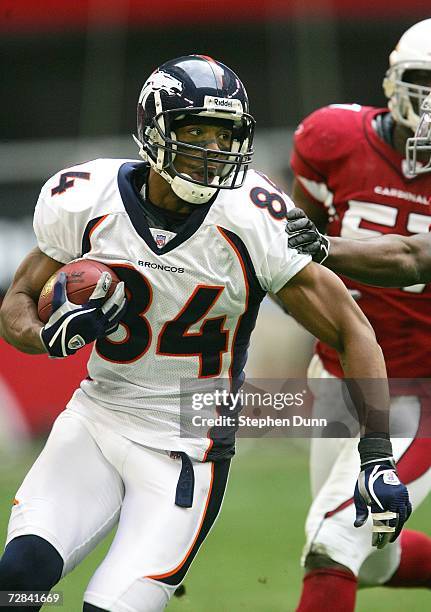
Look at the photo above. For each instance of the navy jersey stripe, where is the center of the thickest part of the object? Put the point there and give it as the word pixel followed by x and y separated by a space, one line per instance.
pixel 256 291
pixel 222 439
pixel 248 318
pixel 86 242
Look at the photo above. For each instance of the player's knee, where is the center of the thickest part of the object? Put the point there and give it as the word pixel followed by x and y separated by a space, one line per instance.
pixel 143 595
pixel 315 561
pixel 149 595
pixel 30 563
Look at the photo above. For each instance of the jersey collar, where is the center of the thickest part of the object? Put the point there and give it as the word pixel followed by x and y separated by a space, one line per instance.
pixel 132 203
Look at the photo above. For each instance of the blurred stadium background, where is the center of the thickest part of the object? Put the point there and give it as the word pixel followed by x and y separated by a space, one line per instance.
pixel 71 74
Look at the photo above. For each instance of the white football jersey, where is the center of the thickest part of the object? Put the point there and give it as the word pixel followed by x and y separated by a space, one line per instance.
pixel 193 296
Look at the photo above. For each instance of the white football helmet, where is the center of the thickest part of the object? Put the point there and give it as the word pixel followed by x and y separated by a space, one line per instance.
pixel 413 52
pixel 420 143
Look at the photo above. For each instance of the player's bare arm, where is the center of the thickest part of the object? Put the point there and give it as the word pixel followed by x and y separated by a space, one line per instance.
pixel 19 323
pixel 318 300
pixel 386 261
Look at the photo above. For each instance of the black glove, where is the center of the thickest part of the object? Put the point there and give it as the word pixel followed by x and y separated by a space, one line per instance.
pixel 70 327
pixel 305 237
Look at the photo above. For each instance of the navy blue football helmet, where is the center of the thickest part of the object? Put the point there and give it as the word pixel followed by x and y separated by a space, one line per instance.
pixel 201 89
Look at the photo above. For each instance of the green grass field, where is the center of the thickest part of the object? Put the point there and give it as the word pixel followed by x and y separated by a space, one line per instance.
pixel 250 561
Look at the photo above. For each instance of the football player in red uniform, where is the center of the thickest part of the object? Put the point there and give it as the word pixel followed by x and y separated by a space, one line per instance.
pixel 352 180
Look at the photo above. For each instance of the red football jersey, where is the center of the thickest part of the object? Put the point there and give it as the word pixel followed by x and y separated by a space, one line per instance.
pixel 349 171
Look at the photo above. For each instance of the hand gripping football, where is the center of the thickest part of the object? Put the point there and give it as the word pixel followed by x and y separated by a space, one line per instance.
pixel 82 276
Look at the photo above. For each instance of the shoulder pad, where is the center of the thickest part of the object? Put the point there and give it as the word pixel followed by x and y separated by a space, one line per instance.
pixel 329 132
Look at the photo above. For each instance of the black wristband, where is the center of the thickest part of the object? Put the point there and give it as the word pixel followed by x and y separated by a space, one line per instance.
pixel 377 434
pixel 372 449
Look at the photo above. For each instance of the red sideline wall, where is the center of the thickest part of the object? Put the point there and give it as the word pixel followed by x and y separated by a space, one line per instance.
pixel 37 15
pixel 40 386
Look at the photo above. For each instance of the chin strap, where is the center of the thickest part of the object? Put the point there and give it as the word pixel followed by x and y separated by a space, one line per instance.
pixel 190 192
pixel 184 189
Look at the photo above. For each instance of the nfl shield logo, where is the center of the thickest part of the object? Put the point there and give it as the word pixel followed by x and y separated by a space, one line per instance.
pixel 160 240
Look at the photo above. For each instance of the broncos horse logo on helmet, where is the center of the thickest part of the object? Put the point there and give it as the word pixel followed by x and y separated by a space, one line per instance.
pixel 157 81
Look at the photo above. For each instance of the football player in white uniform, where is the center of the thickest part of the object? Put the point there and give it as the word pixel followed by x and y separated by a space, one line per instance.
pixel 197 242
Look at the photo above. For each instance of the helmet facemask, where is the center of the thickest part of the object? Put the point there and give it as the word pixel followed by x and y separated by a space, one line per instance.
pixel 220 169
pixel 418 147
pixel 406 94
pixel 226 165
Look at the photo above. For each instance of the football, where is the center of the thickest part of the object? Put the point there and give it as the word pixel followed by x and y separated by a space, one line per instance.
pixel 82 276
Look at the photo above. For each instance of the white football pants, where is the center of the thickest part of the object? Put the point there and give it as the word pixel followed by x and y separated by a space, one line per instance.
pixel 89 479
